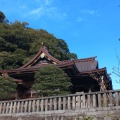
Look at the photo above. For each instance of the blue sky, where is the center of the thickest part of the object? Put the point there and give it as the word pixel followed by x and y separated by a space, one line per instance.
pixel 90 27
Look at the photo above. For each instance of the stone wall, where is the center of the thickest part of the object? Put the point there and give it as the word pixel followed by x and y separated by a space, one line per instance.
pixel 112 113
pixel 56 117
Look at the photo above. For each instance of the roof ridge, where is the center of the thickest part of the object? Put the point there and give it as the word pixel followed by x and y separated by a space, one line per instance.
pixel 83 59
pixel 43 49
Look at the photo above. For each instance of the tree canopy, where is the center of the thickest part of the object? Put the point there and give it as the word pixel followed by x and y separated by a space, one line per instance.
pixel 7 87
pixel 2 16
pixel 51 80
pixel 19 43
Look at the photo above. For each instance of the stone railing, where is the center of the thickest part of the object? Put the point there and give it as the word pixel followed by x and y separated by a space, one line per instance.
pixel 56 103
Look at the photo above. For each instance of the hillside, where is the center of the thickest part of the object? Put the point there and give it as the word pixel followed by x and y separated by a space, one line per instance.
pixel 19 43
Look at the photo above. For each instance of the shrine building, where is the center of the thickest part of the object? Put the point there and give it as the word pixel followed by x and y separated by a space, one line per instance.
pixel 85 74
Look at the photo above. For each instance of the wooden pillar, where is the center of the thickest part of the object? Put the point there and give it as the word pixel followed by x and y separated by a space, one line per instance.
pixel 59 103
pixel 90 89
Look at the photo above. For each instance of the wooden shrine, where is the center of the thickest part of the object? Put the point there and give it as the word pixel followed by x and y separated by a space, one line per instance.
pixel 85 74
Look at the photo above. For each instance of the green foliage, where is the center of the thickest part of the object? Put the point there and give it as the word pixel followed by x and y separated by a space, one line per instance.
pixel 2 16
pixel 7 87
pixel 9 60
pixel 19 43
pixel 51 80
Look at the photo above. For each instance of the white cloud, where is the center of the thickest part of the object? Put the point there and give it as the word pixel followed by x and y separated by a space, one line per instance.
pixel 37 11
pixel 79 19
pixel 47 9
pixel 47 2
pixel 87 12
pixel 43 9
pixel 90 12
pixel 22 6
pixel 65 14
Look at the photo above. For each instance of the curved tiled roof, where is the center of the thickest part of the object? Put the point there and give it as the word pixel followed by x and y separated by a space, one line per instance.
pixel 83 59
pixel 82 65
pixel 86 65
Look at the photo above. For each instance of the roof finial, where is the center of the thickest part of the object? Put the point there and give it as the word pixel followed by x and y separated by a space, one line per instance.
pixel 42 43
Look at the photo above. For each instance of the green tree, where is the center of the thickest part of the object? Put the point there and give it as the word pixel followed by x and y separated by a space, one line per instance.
pixel 20 42
pixel 7 87
pixel 51 80
pixel 2 16
pixel 57 47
